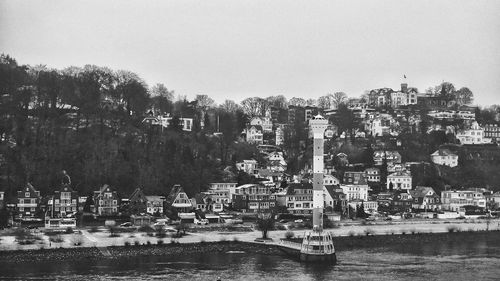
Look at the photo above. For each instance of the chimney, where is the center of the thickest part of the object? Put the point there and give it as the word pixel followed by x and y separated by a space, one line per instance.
pixel 404 87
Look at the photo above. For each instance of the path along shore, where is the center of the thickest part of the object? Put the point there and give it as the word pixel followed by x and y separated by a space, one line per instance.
pixel 271 248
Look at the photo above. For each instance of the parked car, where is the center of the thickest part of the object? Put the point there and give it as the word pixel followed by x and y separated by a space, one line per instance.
pixel 126 224
pixel 299 221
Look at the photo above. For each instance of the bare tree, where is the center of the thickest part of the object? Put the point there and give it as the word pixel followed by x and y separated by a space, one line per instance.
pixel 229 106
pixel 338 98
pixel 251 106
pixel 297 101
pixel 204 101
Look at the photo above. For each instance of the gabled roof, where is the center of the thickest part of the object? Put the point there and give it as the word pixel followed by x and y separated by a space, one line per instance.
pixel 421 191
pixel 174 192
pixel 400 174
pixel 331 190
pixel 443 152
pixel 138 193
pixel 32 190
pixel 102 190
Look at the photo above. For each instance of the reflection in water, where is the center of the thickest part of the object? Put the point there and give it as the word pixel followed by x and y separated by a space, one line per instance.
pixel 467 260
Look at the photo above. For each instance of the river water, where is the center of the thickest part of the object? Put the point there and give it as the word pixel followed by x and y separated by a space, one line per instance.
pixel 470 260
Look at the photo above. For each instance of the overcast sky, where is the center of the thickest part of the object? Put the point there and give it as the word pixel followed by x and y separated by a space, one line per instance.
pixel 237 49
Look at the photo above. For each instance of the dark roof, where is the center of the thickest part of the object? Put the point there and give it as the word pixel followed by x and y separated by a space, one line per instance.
pixel 176 189
pixel 298 185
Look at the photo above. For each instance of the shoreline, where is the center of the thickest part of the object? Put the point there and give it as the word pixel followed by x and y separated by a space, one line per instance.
pixel 176 249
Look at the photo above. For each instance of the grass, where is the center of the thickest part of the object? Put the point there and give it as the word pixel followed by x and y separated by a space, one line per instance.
pixel 56 239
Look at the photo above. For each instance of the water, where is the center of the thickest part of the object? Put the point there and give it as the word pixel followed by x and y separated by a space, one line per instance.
pixel 470 260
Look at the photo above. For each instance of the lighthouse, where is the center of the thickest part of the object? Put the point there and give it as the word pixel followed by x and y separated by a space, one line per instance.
pixel 317 245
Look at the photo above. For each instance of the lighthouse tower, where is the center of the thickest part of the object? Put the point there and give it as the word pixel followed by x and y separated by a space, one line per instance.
pixel 318 126
pixel 317 244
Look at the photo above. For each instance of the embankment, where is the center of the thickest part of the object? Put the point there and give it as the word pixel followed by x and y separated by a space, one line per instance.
pixel 176 249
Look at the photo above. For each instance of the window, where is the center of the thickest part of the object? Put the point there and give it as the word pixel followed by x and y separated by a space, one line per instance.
pixel 26 194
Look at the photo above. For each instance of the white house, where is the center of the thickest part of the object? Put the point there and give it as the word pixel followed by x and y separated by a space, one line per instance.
pixel 247 166
pixel 444 157
pixel 473 135
pixel 353 191
pixel 264 122
pixel 454 200
pixel 400 180
pixel 254 134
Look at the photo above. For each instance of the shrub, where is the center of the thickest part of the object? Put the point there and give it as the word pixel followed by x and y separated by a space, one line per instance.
pixel 235 239
pixel 289 234
pixel 413 231
pixel 403 232
pixel 136 243
pixel 126 243
pixel 148 243
pixel 69 230
pixel 452 228
pixel 159 242
pixel 281 227
pixel 202 240
pixel 351 233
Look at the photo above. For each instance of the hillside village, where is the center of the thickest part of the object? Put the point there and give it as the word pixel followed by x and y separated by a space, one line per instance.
pixel 133 152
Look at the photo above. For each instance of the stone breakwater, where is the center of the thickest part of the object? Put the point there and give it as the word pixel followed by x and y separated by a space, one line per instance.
pixel 341 243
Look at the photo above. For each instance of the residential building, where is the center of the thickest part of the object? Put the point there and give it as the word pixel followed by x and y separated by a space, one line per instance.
pixel 299 198
pixel 64 202
pixel 247 166
pixel 334 197
pixel 218 198
pixel 351 177
pixel 254 198
pixel 492 131
pixel 454 200
pixel 165 121
pixel 372 175
pixel 137 203
pixel 369 206
pixel 200 202
pixel 106 201
pixel 330 180
pixel 280 135
pixel 354 192
pixel 425 198
pixel 229 186
pixel 254 134
pixel 444 157
pixel 399 181
pixel 154 204
pixel 178 199
pixel 264 122
pixel 473 135
pixel 28 200
pixel 392 157
pixel 495 200
pixel 402 202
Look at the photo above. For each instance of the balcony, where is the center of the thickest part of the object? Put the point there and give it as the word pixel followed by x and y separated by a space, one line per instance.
pixel 27 205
